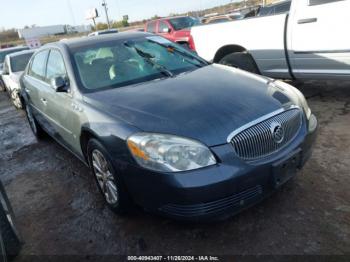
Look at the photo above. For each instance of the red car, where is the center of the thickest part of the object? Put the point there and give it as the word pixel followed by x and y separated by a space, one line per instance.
pixel 176 29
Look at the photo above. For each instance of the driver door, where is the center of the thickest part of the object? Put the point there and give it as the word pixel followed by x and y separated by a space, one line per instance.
pixel 59 110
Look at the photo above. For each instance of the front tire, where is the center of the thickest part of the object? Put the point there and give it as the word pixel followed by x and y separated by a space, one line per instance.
pixel 240 60
pixel 108 181
pixel 9 233
pixel 33 123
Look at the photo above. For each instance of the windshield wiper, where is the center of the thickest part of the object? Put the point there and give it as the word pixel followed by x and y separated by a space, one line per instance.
pixel 148 58
pixel 183 53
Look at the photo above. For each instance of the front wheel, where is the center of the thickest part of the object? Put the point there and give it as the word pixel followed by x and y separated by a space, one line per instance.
pixel 108 181
pixel 240 60
pixel 9 233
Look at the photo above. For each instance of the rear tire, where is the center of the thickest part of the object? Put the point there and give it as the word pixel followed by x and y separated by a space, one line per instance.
pixel 16 99
pixel 33 123
pixel 11 238
pixel 108 181
pixel 240 60
pixel 2 86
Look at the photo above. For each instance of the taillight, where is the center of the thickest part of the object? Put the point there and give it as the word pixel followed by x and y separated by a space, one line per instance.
pixel 191 43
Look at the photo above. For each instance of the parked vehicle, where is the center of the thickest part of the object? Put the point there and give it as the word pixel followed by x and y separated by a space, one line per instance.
pixel 3 53
pixel 104 32
pixel 163 128
pixel 308 43
pixel 14 66
pixel 224 18
pixel 275 9
pixel 10 240
pixel 175 29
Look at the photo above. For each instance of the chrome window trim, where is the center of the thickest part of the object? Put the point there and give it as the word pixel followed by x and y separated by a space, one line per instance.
pixel 259 120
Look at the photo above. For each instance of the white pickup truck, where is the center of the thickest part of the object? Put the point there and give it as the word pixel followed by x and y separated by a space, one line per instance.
pixel 311 42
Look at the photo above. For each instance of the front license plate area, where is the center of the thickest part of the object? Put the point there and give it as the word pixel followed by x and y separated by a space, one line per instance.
pixel 286 169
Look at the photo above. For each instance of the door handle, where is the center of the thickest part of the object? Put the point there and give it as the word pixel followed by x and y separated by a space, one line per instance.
pixel 27 90
pixel 307 20
pixel 44 101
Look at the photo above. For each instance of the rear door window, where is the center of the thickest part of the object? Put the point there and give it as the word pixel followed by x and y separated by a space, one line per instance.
pixel 282 8
pixel 38 65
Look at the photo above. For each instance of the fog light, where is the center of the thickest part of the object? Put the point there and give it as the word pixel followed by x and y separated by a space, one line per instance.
pixel 312 123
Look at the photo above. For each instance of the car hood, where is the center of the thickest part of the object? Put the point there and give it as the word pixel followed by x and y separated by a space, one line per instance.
pixel 206 104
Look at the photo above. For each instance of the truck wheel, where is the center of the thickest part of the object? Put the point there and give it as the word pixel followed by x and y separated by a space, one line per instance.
pixel 240 60
pixel 108 180
pixel 9 233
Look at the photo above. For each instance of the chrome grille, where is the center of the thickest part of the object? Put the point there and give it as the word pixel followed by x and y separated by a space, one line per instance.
pixel 258 141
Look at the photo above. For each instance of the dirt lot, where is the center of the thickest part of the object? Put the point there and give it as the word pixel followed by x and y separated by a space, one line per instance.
pixel 60 211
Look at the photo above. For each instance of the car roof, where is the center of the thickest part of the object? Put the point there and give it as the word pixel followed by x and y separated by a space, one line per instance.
pixel 31 51
pixel 83 41
pixel 13 48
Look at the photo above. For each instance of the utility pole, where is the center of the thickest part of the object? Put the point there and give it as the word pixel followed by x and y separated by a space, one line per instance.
pixel 104 4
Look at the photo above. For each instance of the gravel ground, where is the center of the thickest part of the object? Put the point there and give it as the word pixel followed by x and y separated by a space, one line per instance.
pixel 59 210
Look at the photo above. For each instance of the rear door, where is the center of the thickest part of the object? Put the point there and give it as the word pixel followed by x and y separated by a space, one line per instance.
pixel 319 40
pixel 34 85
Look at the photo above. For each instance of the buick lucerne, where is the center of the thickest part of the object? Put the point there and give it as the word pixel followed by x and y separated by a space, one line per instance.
pixel 164 129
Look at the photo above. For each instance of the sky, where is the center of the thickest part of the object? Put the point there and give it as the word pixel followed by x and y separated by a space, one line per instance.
pixel 19 13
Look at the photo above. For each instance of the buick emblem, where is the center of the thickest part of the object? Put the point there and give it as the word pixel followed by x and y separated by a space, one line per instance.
pixel 277 132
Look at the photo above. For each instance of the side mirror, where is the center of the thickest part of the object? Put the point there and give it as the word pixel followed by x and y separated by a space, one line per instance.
pixel 60 84
pixel 166 30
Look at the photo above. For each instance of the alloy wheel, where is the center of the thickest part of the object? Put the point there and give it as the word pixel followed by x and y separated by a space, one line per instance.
pixel 16 99
pixel 104 177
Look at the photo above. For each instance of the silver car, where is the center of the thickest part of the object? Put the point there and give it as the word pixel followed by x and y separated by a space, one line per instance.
pixel 14 66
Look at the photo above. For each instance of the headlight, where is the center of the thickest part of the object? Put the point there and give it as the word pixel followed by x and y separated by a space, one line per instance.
pixel 301 101
pixel 167 153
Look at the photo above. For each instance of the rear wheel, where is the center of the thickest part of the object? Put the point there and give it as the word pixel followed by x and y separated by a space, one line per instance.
pixel 108 181
pixel 9 233
pixel 34 125
pixel 2 85
pixel 16 99
pixel 240 60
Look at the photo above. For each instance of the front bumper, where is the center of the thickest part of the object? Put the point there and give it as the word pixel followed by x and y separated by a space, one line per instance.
pixel 215 192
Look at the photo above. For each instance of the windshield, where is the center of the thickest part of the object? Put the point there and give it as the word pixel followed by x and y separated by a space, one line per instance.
pixel 120 63
pixel 183 22
pixel 4 53
pixel 19 63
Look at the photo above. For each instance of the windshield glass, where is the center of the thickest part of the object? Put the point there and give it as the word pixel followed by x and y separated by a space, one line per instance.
pixel 19 63
pixel 183 22
pixel 120 63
